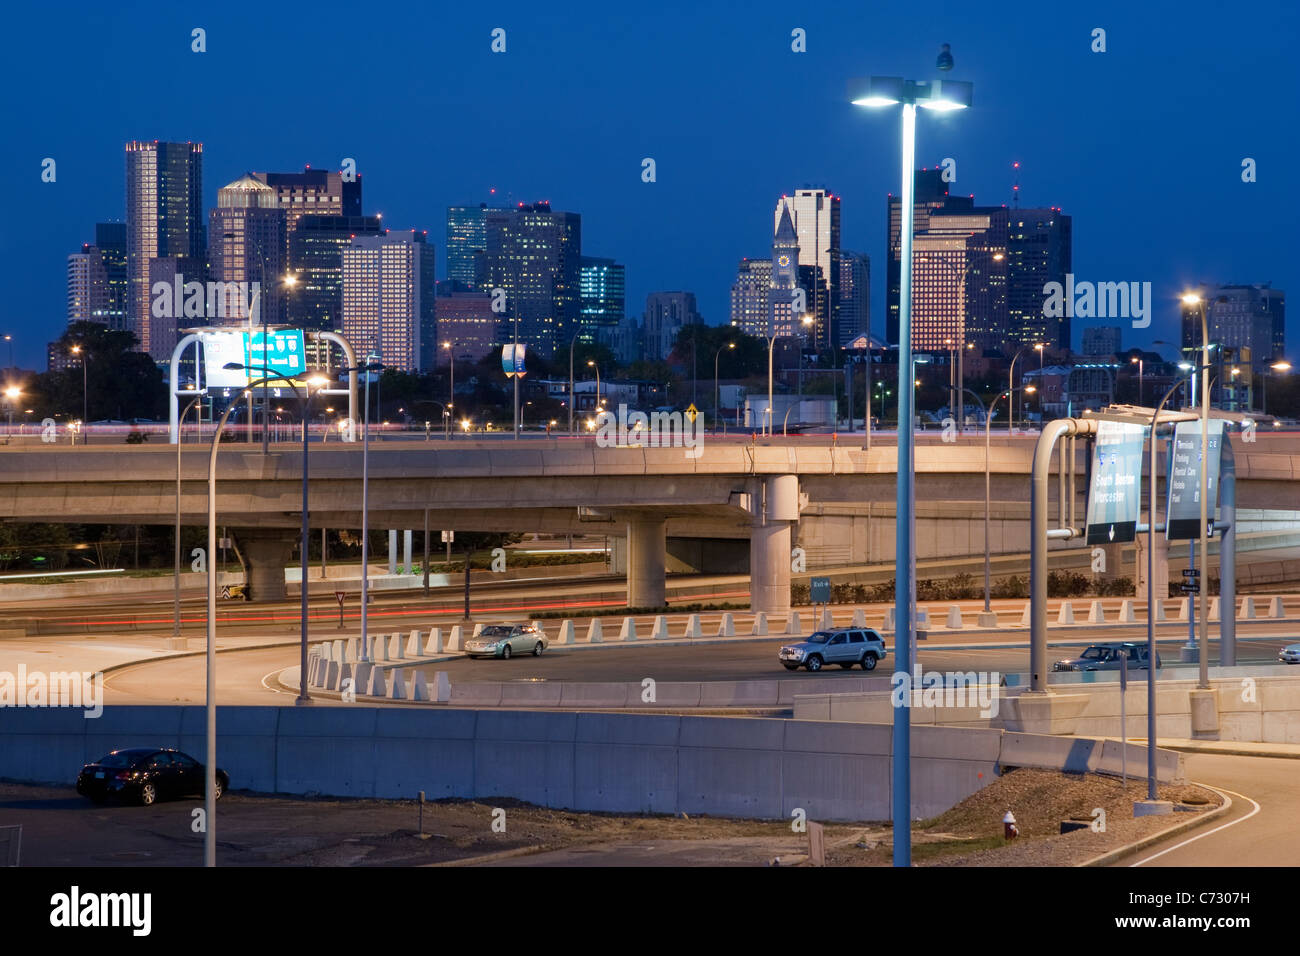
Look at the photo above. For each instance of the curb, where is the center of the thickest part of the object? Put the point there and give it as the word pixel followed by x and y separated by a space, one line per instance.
pixel 1233 752
pixel 1127 850
pixel 493 857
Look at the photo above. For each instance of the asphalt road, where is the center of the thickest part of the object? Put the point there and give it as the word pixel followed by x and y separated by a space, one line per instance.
pixel 247 677
pixel 1259 830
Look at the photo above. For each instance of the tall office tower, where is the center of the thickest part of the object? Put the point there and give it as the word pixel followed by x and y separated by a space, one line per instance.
pixel 1039 250
pixel 1241 316
pixel 959 280
pixel 467 323
pixel 164 217
pixel 930 192
pixel 312 192
pixel 466 240
pixel 816 217
pixel 534 253
pixel 388 299
pixel 246 233
pixel 110 240
pixel 751 296
pixel 85 284
pixel 666 313
pixel 854 312
pixel 785 312
pixel 315 300
pixel 1102 341
pixel 169 277
pixel 602 286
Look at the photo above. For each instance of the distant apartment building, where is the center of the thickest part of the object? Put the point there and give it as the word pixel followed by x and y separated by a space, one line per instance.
pixel 467 326
pixel 167 273
pixel 388 305
pixel 1101 341
pixel 854 312
pixel 751 296
pixel 666 313
pixel 1246 316
pixel 164 217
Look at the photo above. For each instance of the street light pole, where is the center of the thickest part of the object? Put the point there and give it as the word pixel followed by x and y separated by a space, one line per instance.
pixel 176 602
pixel 717 417
pixel 573 341
pixel 771 344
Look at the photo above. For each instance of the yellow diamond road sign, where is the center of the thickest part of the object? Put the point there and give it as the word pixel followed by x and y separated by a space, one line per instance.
pixel 692 412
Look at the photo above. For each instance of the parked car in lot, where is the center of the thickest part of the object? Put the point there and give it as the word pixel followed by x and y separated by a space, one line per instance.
pixel 845 646
pixel 1106 657
pixel 1289 654
pixel 146 775
pixel 507 640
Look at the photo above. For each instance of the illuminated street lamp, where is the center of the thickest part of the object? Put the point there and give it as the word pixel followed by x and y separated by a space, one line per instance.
pixel 1279 366
pixel 85 416
pixel 943 96
pixel 716 392
pixel 1193 299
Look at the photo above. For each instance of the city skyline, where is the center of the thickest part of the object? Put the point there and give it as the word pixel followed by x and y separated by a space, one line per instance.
pixel 1072 141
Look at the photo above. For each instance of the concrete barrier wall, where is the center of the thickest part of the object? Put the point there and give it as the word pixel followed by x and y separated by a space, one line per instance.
pixel 1260 709
pixel 630 763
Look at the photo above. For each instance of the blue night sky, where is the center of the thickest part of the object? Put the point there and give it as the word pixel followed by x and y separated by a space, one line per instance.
pixel 1142 145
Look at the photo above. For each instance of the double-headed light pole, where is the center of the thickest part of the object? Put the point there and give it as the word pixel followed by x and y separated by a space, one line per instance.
pixel 940 95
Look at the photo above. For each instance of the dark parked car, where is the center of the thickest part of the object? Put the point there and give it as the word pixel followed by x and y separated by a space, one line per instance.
pixel 1105 657
pixel 145 775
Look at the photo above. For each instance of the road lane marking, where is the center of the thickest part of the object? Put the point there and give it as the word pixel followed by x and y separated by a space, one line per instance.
pixel 1199 836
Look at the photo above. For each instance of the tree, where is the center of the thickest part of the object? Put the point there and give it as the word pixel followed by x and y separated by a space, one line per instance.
pixel 121 383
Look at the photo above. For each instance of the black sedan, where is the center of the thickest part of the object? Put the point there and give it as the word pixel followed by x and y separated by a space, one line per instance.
pixel 145 775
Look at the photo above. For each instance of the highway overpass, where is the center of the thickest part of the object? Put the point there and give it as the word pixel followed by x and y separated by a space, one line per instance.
pixel 766 496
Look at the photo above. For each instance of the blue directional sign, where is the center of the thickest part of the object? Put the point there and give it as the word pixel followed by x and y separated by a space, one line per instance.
pixel 819 591
pixel 279 351
pixel 1116 483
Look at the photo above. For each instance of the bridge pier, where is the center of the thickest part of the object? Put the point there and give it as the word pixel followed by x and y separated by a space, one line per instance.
pixel 647 550
pixel 265 553
pixel 775 509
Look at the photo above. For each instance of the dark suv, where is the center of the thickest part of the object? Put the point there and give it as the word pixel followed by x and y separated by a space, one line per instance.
pixel 1106 657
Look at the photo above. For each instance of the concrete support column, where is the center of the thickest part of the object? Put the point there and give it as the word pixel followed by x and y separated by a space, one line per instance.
pixel 646 553
pixel 775 506
pixel 392 552
pixel 1161 567
pixel 407 537
pixel 266 553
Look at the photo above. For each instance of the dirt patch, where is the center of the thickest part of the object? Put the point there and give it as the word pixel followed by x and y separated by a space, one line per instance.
pixel 971 833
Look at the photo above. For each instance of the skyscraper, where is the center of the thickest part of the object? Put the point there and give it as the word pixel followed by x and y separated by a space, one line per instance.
pixel 666 313
pixel 315 300
pixel 978 271
pixel 751 296
pixel 533 253
pixel 85 271
pixel 1039 250
pixel 815 214
pixel 97 278
pixel 854 311
pixel 312 192
pixel 247 245
pixel 164 217
pixel 388 299
pixel 466 242
pixel 602 288
pixel 466 323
